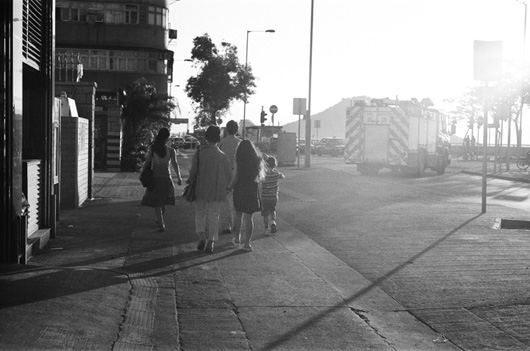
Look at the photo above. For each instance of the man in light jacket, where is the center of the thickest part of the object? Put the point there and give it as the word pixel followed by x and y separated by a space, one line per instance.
pixel 229 146
pixel 213 171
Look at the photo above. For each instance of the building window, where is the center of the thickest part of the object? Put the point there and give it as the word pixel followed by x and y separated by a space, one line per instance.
pixel 152 66
pixel 142 15
pixel 112 13
pixel 62 14
pixel 131 64
pixel 131 14
pixel 141 65
pixel 118 60
pixel 95 15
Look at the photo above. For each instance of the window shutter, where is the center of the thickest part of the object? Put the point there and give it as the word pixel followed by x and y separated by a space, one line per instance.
pixel 32 32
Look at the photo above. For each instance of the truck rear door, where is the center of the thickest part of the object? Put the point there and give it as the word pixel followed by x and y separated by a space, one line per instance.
pixel 376 121
pixel 376 142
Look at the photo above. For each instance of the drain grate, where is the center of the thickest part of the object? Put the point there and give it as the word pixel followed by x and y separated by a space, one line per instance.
pixel 501 223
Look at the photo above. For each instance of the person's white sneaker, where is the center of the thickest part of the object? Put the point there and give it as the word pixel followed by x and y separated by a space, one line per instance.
pixel 266 231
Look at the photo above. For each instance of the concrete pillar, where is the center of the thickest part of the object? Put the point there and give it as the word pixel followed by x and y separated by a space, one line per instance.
pixel 84 95
pixel 74 161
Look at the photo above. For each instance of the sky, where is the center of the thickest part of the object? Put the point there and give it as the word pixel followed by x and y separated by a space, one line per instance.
pixel 378 48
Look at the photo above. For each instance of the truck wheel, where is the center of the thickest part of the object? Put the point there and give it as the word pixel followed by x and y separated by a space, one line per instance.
pixel 422 163
pixel 443 164
pixel 445 161
pixel 373 171
pixel 362 169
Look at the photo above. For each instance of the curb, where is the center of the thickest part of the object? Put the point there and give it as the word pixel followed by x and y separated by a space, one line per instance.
pixel 523 180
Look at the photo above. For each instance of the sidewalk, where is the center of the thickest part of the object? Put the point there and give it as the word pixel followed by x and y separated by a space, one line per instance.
pixel 111 281
pixel 493 171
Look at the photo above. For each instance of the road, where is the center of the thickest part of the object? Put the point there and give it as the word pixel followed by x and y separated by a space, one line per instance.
pixel 424 241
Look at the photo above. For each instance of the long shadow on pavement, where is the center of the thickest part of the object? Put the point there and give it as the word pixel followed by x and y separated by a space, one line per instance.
pixel 288 334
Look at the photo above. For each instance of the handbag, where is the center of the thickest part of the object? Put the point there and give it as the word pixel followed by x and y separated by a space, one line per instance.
pixel 189 191
pixel 147 177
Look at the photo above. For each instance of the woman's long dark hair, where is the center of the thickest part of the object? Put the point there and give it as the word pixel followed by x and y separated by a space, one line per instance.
pixel 159 146
pixel 249 162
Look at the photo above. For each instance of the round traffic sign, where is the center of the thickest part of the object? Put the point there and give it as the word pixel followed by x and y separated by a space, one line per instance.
pixel 273 109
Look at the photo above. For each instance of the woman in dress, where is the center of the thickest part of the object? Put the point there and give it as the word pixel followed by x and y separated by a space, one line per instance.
pixel 249 171
pixel 162 193
pixel 211 168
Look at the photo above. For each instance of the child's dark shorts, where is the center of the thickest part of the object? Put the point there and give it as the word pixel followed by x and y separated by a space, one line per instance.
pixel 268 206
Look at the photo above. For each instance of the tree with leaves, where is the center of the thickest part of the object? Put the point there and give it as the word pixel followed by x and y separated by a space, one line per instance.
pixel 509 93
pixel 144 113
pixel 220 81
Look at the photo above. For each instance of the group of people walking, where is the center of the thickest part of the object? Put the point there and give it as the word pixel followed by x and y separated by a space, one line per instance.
pixel 233 180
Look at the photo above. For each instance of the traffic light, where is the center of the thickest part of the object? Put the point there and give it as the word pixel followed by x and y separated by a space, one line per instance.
pixel 480 122
pixel 263 119
pixel 471 122
pixel 503 111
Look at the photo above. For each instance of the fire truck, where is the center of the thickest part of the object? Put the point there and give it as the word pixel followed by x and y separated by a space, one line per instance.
pixel 403 136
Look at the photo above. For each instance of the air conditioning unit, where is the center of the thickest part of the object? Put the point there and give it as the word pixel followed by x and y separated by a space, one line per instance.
pixel 172 34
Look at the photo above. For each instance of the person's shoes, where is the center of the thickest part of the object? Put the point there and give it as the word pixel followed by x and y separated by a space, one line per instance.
pixel 273 228
pixel 235 243
pixel 246 247
pixel 161 228
pixel 266 231
pixel 201 244
pixel 226 231
pixel 209 247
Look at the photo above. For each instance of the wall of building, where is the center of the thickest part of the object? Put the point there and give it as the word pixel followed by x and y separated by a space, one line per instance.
pixel 100 44
pixel 117 80
pixel 27 118
pixel 112 35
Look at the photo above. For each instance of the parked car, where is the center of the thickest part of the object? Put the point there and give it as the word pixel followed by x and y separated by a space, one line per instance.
pixel 177 143
pixel 190 142
pixel 301 148
pixel 330 146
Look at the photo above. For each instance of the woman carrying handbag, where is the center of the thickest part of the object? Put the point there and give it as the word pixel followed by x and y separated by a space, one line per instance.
pixel 162 191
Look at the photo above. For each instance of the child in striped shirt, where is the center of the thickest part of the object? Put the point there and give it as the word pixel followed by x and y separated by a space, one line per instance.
pixel 269 195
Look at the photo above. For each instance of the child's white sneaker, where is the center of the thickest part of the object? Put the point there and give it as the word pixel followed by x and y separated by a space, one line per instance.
pixel 273 228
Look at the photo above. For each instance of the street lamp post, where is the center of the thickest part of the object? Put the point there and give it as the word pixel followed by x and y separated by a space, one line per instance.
pixel 171 80
pixel 520 136
pixel 307 158
pixel 246 66
pixel 520 140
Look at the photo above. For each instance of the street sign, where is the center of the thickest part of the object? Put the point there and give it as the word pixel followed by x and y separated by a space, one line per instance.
pixel 299 106
pixel 273 109
pixel 487 60
pixel 179 120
